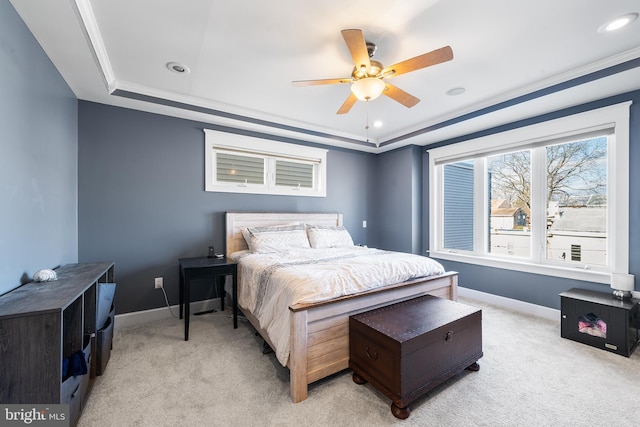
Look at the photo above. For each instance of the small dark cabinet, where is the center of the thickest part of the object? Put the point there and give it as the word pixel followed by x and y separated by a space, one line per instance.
pixel 46 331
pixel 600 320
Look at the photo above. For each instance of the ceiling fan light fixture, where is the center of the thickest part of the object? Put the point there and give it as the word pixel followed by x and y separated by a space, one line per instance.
pixel 368 88
pixel 367 74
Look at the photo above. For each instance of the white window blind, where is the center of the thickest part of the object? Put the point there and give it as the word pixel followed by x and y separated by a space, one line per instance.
pixel 294 174
pixel 239 169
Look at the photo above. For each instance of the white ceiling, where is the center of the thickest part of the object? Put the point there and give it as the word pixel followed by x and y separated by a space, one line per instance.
pixel 243 55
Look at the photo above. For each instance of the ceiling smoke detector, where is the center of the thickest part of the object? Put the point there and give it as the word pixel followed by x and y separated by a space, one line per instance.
pixel 456 91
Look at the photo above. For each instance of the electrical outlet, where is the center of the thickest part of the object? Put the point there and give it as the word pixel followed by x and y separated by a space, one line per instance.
pixel 364 224
pixel 159 283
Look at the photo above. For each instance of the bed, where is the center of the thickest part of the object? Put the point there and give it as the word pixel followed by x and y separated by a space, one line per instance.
pixel 317 337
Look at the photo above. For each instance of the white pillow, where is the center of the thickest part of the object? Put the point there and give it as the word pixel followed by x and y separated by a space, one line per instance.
pixel 247 235
pixel 277 238
pixel 328 237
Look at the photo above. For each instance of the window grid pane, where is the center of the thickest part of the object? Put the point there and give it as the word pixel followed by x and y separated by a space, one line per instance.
pixel 239 169
pixel 577 202
pixel 510 204
pixel 294 174
pixel 458 206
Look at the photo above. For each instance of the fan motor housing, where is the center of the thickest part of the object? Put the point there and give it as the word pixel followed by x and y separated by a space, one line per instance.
pixel 374 71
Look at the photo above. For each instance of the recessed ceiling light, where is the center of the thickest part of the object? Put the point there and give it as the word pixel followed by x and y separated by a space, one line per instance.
pixel 377 123
pixel 617 23
pixel 178 68
pixel 456 91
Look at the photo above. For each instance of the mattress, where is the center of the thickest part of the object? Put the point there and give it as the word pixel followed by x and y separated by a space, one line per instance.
pixel 269 283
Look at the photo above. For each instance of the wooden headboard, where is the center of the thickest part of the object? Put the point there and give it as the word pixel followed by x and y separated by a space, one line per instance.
pixel 236 221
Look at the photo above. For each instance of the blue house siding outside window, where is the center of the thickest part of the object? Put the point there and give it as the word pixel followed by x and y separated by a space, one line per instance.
pixel 458 206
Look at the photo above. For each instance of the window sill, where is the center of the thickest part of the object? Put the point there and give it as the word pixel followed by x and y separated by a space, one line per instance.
pixel 273 191
pixel 596 276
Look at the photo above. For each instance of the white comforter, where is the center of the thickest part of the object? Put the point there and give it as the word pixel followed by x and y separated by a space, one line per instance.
pixel 270 283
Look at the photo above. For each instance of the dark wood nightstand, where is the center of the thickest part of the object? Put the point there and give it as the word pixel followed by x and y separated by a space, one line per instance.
pixel 202 268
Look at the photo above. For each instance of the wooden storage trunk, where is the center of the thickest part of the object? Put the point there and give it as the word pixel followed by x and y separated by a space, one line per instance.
pixel 408 348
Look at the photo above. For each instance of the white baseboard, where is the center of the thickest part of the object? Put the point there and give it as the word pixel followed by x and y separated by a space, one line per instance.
pixel 521 306
pixel 140 317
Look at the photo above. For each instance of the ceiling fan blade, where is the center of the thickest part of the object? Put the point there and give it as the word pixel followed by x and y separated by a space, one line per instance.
pixel 399 95
pixel 358 48
pixel 321 82
pixel 437 56
pixel 347 104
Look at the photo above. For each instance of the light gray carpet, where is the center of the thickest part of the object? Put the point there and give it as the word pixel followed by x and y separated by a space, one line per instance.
pixel 529 376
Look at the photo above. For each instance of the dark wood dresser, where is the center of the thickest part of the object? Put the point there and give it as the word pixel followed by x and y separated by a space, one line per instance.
pixel 45 328
pixel 408 348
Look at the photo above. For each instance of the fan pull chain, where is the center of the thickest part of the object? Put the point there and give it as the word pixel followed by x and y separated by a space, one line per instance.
pixel 367 125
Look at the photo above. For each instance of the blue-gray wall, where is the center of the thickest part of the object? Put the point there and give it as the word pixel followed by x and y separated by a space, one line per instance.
pixel 544 290
pixel 137 197
pixel 38 158
pixel 142 202
pixel 399 183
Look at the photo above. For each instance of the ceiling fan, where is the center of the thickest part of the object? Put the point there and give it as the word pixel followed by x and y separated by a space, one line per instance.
pixel 367 75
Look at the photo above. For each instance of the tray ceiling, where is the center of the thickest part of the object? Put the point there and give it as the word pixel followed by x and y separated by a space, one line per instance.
pixel 513 59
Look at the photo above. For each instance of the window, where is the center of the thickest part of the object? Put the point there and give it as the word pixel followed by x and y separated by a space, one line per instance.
pixel 241 164
pixel 550 198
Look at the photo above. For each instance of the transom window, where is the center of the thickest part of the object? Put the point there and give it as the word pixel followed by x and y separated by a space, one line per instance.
pixel 550 198
pixel 242 164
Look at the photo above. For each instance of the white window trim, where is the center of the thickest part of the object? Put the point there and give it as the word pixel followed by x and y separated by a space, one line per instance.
pixel 616 117
pixel 270 150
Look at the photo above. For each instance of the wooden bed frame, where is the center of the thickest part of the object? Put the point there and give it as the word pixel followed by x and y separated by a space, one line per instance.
pixel 319 344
